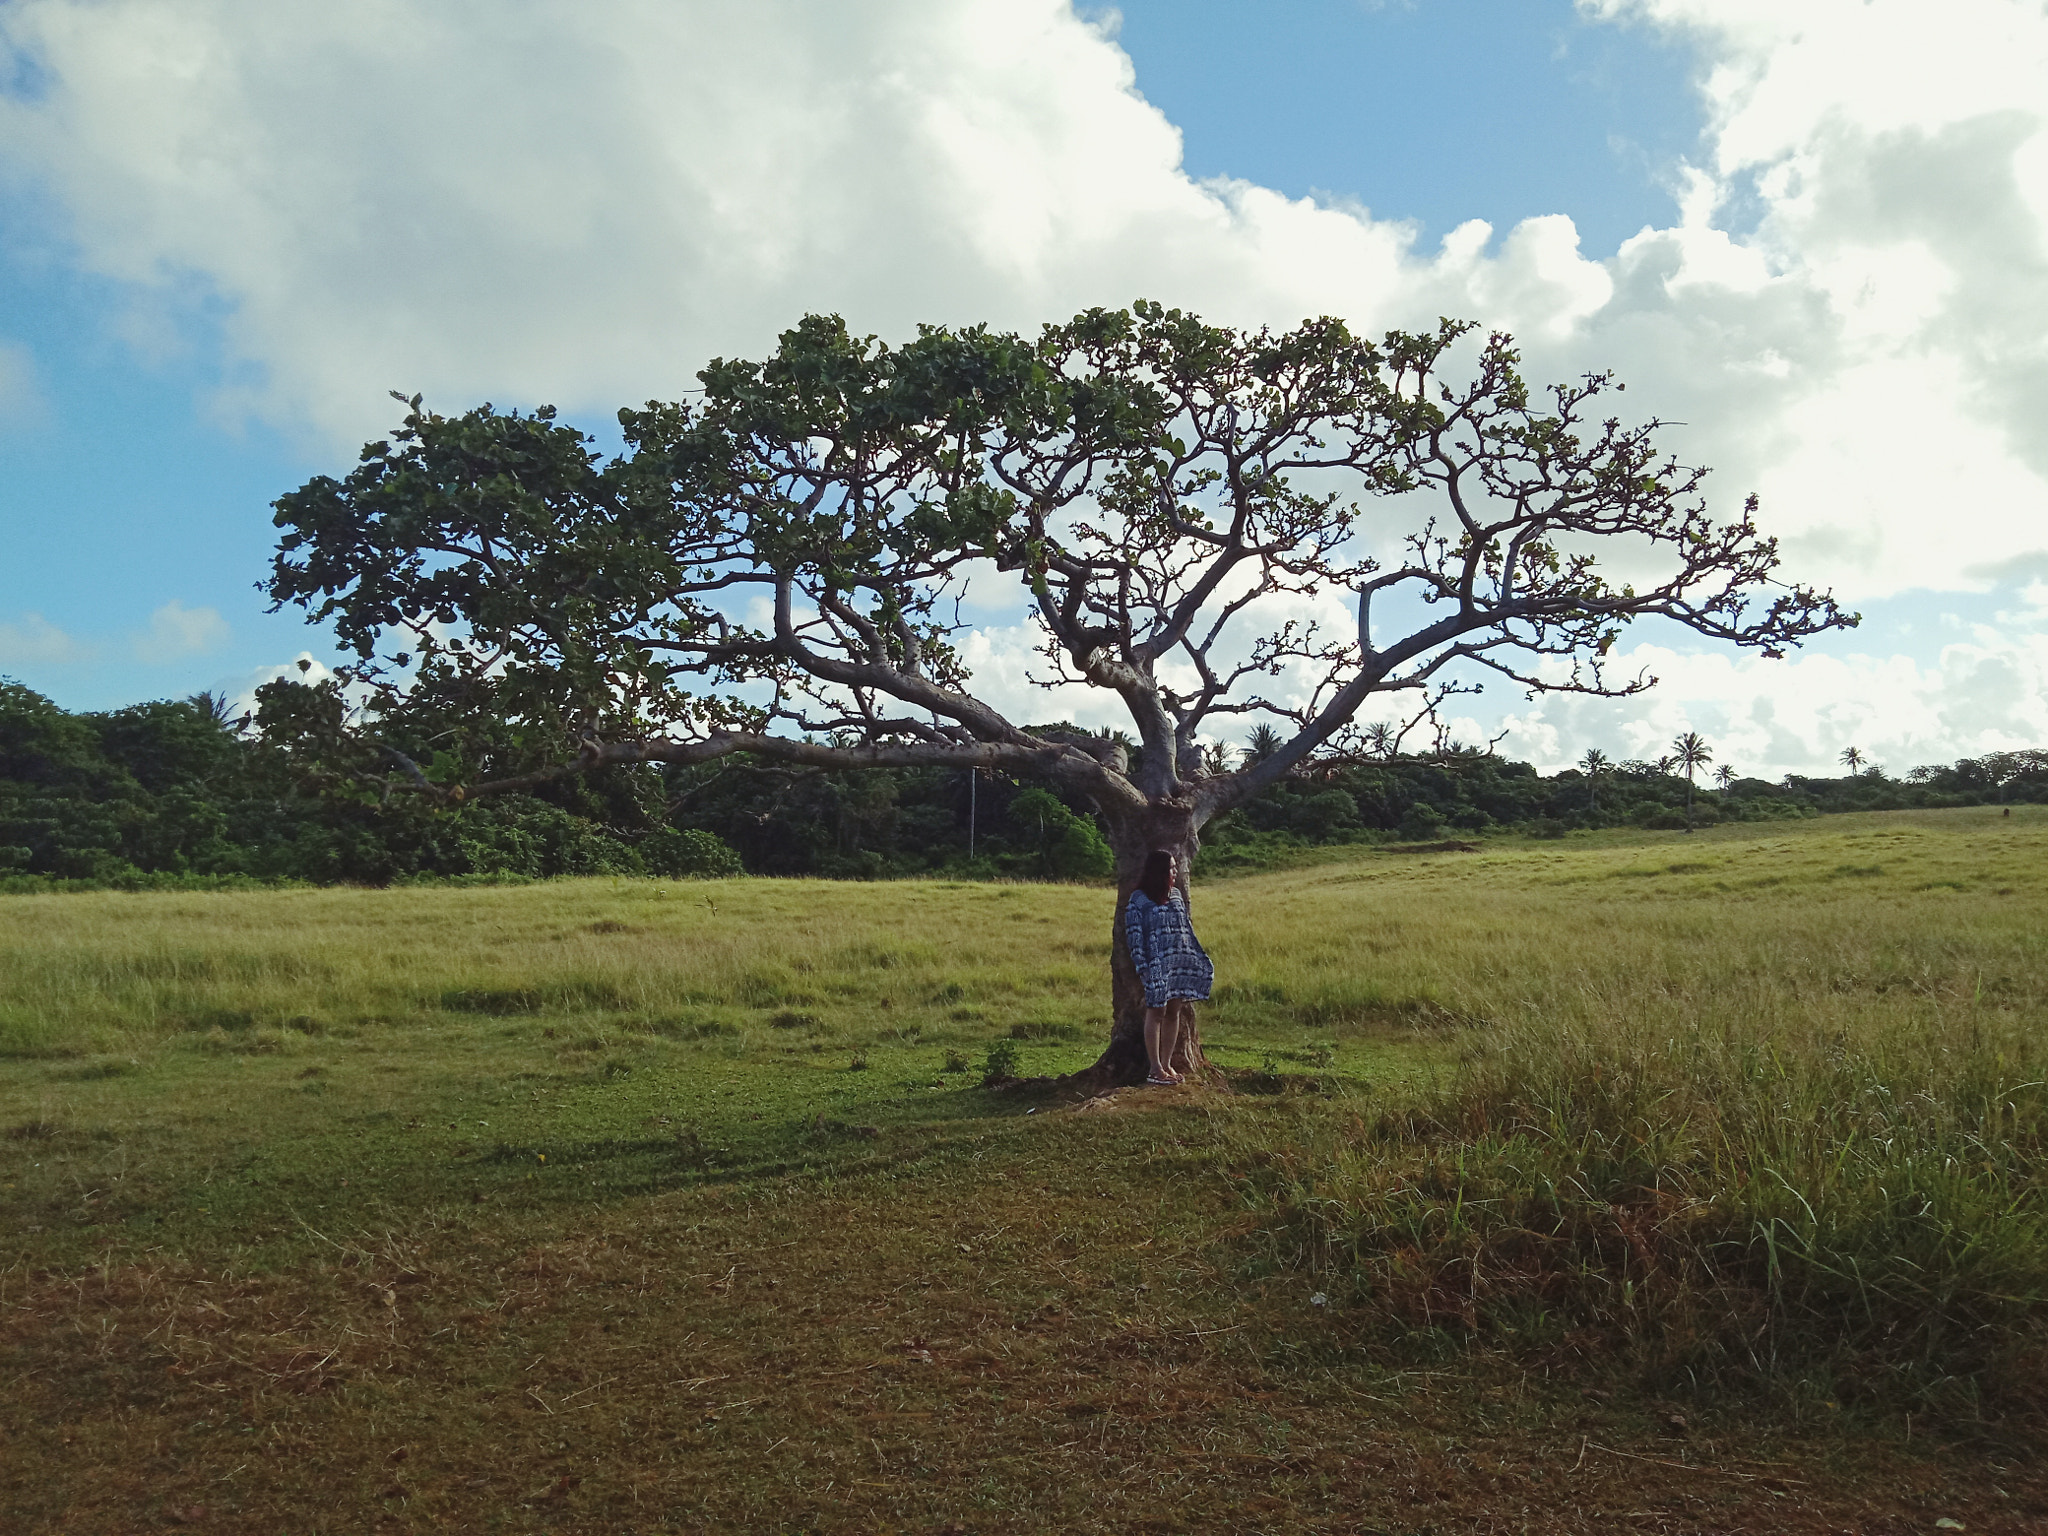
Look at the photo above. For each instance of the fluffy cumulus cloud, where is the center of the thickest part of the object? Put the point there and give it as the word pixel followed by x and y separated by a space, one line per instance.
pixel 526 201
pixel 585 203
pixel 1986 690
pixel 1854 308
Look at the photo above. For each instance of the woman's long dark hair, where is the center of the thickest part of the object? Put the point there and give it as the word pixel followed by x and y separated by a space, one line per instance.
pixel 1157 881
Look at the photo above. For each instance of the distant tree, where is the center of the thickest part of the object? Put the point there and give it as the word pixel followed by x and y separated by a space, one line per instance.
pixel 770 568
pixel 1853 759
pixel 1724 776
pixel 1263 742
pixel 216 707
pixel 1592 765
pixel 1691 753
pixel 1380 739
pixel 2002 769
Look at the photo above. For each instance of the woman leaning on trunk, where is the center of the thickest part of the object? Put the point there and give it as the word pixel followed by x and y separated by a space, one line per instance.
pixel 1171 963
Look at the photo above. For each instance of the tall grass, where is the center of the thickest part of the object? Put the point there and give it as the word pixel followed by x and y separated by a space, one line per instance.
pixel 112 972
pixel 1794 1137
pixel 1713 1205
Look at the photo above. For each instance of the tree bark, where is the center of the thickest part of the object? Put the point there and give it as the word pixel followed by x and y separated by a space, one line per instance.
pixel 1168 824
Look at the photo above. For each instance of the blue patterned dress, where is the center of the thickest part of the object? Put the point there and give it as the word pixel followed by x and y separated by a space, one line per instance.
pixel 1170 959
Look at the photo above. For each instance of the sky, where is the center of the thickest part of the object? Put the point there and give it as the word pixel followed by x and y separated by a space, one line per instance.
pixel 1812 233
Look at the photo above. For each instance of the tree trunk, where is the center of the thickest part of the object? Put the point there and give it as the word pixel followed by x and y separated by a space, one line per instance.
pixel 1167 824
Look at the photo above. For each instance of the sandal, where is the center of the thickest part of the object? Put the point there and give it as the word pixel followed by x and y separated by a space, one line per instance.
pixel 1164 1082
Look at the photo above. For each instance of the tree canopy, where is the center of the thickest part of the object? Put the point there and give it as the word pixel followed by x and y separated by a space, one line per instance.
pixel 771 568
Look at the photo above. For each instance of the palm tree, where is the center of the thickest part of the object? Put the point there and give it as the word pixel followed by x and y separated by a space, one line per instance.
pixel 217 707
pixel 1380 739
pixel 1592 765
pixel 1724 776
pixel 1690 752
pixel 1263 742
pixel 1852 759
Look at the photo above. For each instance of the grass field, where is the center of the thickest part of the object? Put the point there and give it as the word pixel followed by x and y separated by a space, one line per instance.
pixel 1695 1181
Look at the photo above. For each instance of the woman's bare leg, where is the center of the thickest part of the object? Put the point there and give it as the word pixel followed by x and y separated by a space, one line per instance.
pixel 1160 1041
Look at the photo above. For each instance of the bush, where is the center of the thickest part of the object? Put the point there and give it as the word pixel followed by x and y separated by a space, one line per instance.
pixel 1322 816
pixel 1422 824
pixel 1069 846
pixel 689 854
pixel 1001 1063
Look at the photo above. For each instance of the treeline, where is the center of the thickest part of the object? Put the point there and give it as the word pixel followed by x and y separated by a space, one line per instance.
pixel 173 793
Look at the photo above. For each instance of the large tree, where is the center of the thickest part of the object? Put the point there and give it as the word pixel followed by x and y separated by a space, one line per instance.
pixel 774 568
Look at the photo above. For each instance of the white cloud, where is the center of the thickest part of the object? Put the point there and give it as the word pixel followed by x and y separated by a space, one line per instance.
pixel 585 204
pixel 176 632
pixel 1985 693
pixel 33 640
pixel 1895 159
pixel 526 201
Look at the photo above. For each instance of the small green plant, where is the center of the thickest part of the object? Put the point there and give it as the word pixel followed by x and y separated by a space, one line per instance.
pixel 859 1062
pixel 956 1061
pixel 1001 1062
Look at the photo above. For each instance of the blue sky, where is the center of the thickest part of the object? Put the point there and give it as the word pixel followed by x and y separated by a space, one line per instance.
pixel 210 274
pixel 1492 109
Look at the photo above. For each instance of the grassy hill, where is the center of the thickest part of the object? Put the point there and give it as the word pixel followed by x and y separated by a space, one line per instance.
pixel 1698 1177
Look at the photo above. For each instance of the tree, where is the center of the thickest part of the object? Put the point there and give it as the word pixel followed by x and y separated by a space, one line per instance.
pixel 1263 742
pixel 770 570
pixel 1724 776
pixel 1380 739
pixel 1690 752
pixel 1592 765
pixel 1853 759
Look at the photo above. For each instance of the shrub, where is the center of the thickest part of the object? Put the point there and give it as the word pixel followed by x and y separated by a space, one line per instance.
pixel 691 853
pixel 1423 823
pixel 1069 846
pixel 1000 1064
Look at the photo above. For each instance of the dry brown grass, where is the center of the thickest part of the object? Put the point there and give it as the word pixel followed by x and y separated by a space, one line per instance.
pixel 1034 1348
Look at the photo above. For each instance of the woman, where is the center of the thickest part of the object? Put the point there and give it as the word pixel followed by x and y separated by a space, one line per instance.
pixel 1171 963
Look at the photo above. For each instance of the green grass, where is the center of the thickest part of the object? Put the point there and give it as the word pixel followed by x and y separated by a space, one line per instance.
pixel 1746 1120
